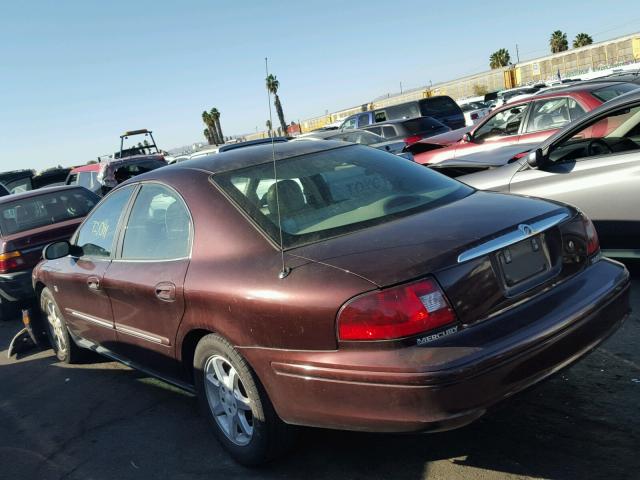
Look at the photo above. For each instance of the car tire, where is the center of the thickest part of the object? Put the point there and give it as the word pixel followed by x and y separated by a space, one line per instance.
pixel 61 342
pixel 236 404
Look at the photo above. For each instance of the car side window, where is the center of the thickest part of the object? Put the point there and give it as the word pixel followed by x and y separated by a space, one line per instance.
pixel 549 114
pixel 388 132
pixel 504 123
pixel 363 120
pixel 381 116
pixel 618 132
pixel 349 123
pixel 159 226
pixel 96 235
pixel 376 130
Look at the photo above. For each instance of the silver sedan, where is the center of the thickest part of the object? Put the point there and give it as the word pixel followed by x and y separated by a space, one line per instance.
pixel 593 163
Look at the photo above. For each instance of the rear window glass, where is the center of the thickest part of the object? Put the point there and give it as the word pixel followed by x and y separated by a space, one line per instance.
pixel 609 92
pixel 334 192
pixel 33 212
pixel 423 124
pixel 439 106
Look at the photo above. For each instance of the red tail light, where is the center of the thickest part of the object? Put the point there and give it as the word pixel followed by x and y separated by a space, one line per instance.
pixel 593 243
pixel 474 116
pixel 412 139
pixel 395 312
pixel 10 262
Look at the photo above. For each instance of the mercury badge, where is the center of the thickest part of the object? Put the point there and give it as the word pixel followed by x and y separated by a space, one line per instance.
pixel 525 229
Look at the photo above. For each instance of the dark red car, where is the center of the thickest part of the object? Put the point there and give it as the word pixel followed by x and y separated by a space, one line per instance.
pixel 28 222
pixel 528 121
pixel 358 291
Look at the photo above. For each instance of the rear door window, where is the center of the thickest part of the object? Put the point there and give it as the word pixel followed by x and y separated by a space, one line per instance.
pixel 363 120
pixel 549 114
pixel 159 226
pixel 389 132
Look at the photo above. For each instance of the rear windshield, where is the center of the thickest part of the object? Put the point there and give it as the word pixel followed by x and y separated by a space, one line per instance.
pixel 336 191
pixel 439 106
pixel 33 212
pixel 423 124
pixel 609 92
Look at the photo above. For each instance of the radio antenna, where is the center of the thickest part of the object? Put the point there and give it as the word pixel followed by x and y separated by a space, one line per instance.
pixel 285 270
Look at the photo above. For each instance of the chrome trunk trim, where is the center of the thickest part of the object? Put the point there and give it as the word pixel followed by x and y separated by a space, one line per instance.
pixel 522 232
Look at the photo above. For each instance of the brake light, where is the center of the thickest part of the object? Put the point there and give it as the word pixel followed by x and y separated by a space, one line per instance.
pixel 11 261
pixel 412 139
pixel 593 243
pixel 395 312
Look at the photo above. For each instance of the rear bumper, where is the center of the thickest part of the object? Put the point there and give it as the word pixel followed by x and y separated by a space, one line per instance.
pixel 16 287
pixel 447 384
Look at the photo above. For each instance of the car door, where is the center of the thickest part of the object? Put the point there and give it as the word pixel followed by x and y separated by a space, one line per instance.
pixel 596 169
pixel 146 279
pixel 502 128
pixel 78 281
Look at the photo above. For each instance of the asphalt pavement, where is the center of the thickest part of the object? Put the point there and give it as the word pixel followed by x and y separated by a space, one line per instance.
pixel 102 420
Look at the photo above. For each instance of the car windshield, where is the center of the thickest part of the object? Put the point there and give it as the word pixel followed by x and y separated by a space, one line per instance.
pixel 34 212
pixel 612 91
pixel 336 191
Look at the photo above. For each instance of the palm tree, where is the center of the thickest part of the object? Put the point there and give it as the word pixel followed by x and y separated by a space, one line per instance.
pixel 208 121
pixel 215 115
pixel 558 42
pixel 207 135
pixel 581 40
pixel 499 58
pixel 272 85
pixel 268 124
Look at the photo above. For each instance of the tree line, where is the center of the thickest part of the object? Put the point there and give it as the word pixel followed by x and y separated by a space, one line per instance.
pixel 557 43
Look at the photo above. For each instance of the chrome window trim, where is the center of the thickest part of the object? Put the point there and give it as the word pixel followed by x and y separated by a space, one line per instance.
pixel 512 237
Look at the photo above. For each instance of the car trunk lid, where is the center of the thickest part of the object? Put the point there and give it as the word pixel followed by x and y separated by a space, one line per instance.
pixel 433 242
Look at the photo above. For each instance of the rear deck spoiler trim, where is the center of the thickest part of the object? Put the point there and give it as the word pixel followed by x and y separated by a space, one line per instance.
pixel 522 232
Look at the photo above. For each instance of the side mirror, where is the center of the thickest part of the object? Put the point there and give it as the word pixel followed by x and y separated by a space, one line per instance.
pixel 535 158
pixel 59 249
pixel 387 148
pixel 467 137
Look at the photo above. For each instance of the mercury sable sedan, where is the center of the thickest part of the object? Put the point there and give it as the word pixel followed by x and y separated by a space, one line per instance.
pixel 330 285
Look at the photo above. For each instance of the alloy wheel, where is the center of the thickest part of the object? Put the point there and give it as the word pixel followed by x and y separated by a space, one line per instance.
pixel 57 327
pixel 228 400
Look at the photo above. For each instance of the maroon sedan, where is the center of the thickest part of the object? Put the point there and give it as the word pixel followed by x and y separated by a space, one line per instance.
pixel 528 121
pixel 357 291
pixel 28 222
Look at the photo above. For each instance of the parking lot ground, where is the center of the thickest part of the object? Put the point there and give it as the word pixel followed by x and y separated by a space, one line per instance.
pixel 105 421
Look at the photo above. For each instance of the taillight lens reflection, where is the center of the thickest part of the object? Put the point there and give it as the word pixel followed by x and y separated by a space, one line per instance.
pixel 395 312
pixel 593 243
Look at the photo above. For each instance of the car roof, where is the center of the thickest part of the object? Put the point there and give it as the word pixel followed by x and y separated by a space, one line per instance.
pixel 38 192
pixel 250 143
pixel 255 155
pixel 584 86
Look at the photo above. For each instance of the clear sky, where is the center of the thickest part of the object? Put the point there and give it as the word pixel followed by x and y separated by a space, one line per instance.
pixel 75 74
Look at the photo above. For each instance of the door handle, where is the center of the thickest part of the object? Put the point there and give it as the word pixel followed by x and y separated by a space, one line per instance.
pixel 93 283
pixel 166 291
